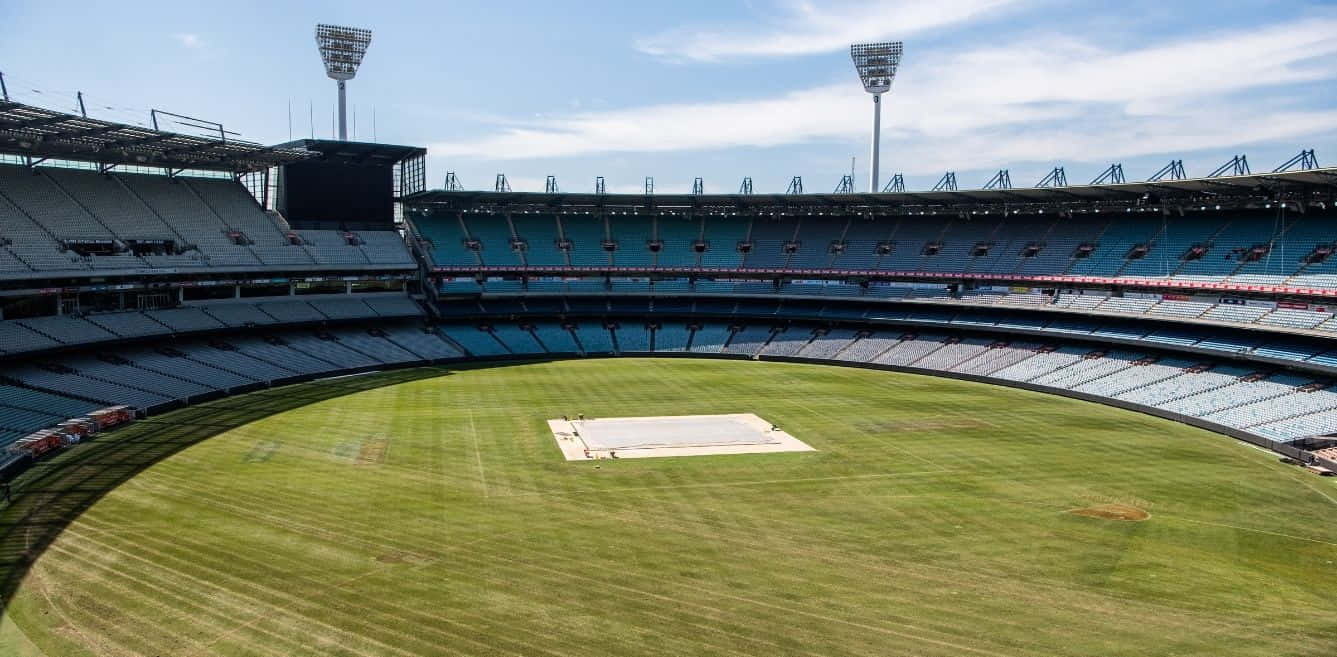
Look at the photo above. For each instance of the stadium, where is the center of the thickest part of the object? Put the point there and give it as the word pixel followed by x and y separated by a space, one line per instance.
pixel 290 400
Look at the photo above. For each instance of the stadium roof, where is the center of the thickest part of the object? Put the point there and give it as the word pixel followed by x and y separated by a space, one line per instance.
pixel 43 133
pixel 1292 184
pixel 356 152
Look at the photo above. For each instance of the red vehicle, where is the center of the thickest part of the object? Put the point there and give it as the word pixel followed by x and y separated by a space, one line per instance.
pixel 78 427
pixel 111 416
pixel 41 442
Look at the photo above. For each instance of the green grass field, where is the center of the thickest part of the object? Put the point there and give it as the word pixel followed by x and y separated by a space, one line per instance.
pixel 436 517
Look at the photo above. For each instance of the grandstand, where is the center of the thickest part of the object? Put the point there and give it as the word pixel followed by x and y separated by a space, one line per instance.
pixel 1206 301
pixel 143 271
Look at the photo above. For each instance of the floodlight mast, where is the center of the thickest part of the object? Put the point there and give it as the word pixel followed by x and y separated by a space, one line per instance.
pixel 876 64
pixel 342 49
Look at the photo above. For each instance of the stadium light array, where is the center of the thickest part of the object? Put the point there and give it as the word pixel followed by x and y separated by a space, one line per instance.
pixel 876 64
pixel 342 49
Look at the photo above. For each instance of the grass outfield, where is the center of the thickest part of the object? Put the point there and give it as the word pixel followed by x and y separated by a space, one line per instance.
pixel 436 517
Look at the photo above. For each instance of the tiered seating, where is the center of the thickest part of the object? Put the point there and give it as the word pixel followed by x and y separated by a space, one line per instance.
pixel 421 342
pixel 1088 369
pixel 236 314
pixel 446 239
pixel 1287 402
pixel 464 286
pixel 40 198
pixel 587 233
pixel 330 247
pixel 1184 385
pixel 384 247
pixel 129 324
pixel 815 234
pixel 340 307
pixel 677 233
pixel 1041 364
pixel 1303 319
pixel 32 247
pixel 495 234
pixel 518 340
pixel 330 351
pixel 710 338
pixel 68 330
pixel 996 358
pixel 749 340
pixel 231 203
pixel 112 204
pixel 789 341
pixel 1225 312
pixel 15 337
pixel 908 351
pixel 25 410
pixel 391 305
pixel 1134 376
pixel 381 348
pixel 633 337
pixel 185 319
pixel 631 234
pixel 671 336
pixel 540 232
pixel 1080 301
pixel 183 368
pixel 195 216
pixel 235 361
pixel 556 338
pixel 182 209
pixel 867 348
pixel 1320 423
pixel 1183 309
pixel 958 242
pixel 951 354
pixel 291 311
pixel 828 345
pixel 280 355
pixel 594 338
pixel 1233 394
pixel 910 237
pixel 1127 305
pixel 107 391
pixel 722 235
pixel 475 341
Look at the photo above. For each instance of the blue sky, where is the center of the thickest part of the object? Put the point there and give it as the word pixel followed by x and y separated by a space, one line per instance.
pixel 719 89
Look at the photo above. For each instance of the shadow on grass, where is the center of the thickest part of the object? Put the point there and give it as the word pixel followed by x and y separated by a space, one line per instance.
pixel 52 493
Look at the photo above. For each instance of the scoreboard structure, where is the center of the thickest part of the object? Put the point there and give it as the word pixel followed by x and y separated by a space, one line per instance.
pixel 350 186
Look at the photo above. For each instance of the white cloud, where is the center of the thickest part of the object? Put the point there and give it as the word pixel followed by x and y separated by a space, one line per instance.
pixel 189 40
pixel 805 27
pixel 1047 99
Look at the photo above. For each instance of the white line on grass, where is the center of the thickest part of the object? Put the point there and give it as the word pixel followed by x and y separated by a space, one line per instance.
pixel 867 434
pixel 478 454
pixel 1250 529
pixel 730 484
pixel 1311 487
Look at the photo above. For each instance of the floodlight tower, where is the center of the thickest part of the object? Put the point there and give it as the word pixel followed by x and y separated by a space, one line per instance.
pixel 342 49
pixel 876 64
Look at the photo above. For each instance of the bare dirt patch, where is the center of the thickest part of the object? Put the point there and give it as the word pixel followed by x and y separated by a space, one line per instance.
pixel 373 451
pixel 1113 512
pixel 395 557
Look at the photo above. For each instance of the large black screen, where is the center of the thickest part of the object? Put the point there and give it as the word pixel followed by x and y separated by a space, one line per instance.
pixel 336 195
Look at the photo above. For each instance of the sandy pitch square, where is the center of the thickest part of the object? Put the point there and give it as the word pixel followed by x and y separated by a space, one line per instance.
pixel 670 435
